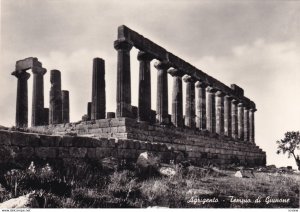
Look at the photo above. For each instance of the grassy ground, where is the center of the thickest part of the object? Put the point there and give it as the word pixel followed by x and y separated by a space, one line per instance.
pixel 91 187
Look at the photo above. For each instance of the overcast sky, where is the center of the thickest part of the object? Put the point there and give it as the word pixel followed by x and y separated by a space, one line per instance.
pixel 254 44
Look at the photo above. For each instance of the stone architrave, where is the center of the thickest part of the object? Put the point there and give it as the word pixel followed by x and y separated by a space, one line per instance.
pixel 210 109
pixel 123 79
pixel 162 114
pixel 246 124
pixel 201 106
pixel 177 111
pixel 65 106
pixel 234 119
pixel 37 115
pixel 240 121
pixel 219 112
pixel 189 119
pixel 227 116
pixel 22 99
pixel 98 90
pixel 252 125
pixel 55 106
pixel 144 103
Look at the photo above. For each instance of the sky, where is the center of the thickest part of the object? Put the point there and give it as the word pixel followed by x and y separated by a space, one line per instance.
pixel 254 44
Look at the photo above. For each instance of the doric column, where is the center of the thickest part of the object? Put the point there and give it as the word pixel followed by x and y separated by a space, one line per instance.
pixel 246 124
pixel 240 121
pixel 177 112
pixel 37 115
pixel 65 106
pixel 89 111
pixel 144 104
pixel 219 112
pixel 227 115
pixel 22 99
pixel 210 110
pixel 98 90
pixel 234 119
pixel 162 115
pixel 55 106
pixel 189 119
pixel 123 79
pixel 46 116
pixel 251 125
pixel 201 106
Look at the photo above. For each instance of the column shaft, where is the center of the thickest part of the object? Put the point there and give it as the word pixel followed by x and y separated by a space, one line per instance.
pixel 240 121
pixel 89 111
pixel 55 106
pixel 251 126
pixel 22 99
pixel 201 106
pixel 65 107
pixel 144 103
pixel 234 119
pixel 227 115
pixel 246 124
pixel 210 110
pixel 123 79
pixel 219 113
pixel 37 115
pixel 189 119
pixel 98 90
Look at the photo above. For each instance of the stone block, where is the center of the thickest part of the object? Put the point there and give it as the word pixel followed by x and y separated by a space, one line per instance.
pixel 5 137
pixel 121 129
pixel 131 144
pixel 78 152
pixel 104 142
pixel 67 141
pixel 64 152
pixel 103 123
pixel 50 141
pixel 27 152
pixel 143 145
pixel 117 122
pixel 46 152
pixel 102 152
pixel 112 143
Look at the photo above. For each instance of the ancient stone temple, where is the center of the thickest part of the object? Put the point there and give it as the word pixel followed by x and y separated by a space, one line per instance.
pixel 218 125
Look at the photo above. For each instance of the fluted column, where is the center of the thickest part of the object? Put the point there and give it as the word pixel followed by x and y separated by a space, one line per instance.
pixel 22 99
pixel 251 125
pixel 219 112
pixel 65 106
pixel 144 104
pixel 89 111
pixel 123 79
pixel 37 115
pixel 201 106
pixel 246 124
pixel 177 111
pixel 240 121
pixel 234 119
pixel 55 106
pixel 189 119
pixel 162 93
pixel 98 90
pixel 210 110
pixel 227 115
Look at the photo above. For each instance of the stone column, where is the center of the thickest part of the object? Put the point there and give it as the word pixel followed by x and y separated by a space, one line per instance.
pixel 65 106
pixel 89 111
pixel 144 104
pixel 251 125
pixel 37 115
pixel 219 113
pixel 246 124
pixel 98 90
pixel 55 106
pixel 227 115
pixel 22 99
pixel 123 79
pixel 210 110
pixel 162 115
pixel 46 116
pixel 189 119
pixel 177 113
pixel 234 119
pixel 201 106
pixel 240 121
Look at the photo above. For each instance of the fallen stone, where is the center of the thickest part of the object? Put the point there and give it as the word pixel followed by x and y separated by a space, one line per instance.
pixel 167 171
pixel 148 164
pixel 19 202
pixel 244 174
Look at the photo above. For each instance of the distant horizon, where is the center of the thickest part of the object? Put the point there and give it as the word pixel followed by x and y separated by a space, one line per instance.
pixel 253 44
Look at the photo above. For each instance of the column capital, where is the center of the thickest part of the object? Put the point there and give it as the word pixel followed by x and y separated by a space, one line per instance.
pixel 234 101
pixel 229 98
pixel 21 75
pixel 200 84
pixel 240 104
pixel 188 78
pixel 210 89
pixel 122 45
pixel 220 94
pixel 174 72
pixel 144 56
pixel 162 65
pixel 39 70
pixel 253 110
